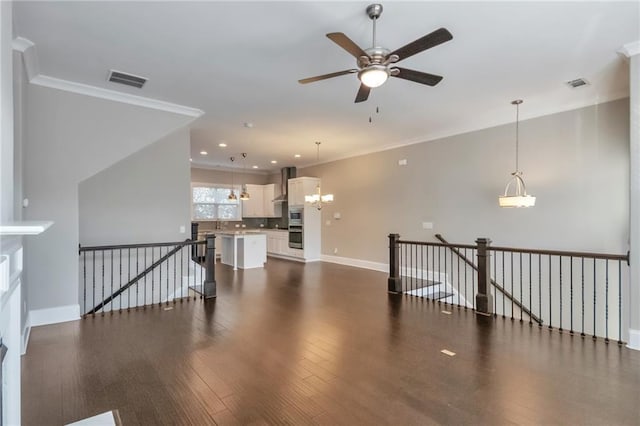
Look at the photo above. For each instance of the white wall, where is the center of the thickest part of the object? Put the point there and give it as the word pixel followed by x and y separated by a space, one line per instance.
pixel 6 114
pixel 575 162
pixel 68 138
pixel 143 198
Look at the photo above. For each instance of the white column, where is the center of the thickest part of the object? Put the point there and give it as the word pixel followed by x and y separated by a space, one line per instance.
pixel 632 51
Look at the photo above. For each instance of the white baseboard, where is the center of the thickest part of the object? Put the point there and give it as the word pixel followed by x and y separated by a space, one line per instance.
pixel 54 315
pixel 634 339
pixel 25 337
pixel 358 263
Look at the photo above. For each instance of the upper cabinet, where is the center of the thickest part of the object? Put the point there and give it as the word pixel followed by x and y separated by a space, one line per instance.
pixel 299 187
pixel 260 202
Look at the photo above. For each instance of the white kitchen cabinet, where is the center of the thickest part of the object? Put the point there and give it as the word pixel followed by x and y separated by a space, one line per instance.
pixel 260 202
pixel 299 187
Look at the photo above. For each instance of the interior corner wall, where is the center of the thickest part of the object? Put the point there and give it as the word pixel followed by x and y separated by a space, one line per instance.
pixel 6 113
pixel 143 198
pixel 68 138
pixel 576 163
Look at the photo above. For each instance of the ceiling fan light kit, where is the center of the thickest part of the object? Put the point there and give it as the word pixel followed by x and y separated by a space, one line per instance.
pixel 519 198
pixel 375 63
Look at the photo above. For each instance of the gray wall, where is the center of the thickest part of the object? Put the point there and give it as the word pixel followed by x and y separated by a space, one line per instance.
pixel 141 199
pixel 224 177
pixel 68 138
pixel 575 162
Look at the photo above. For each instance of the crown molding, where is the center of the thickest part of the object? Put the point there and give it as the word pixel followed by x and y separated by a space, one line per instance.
pixel 630 49
pixel 112 95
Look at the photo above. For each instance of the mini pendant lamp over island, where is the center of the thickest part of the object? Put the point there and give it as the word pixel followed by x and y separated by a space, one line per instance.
pixel 232 195
pixel 519 198
pixel 318 199
pixel 244 195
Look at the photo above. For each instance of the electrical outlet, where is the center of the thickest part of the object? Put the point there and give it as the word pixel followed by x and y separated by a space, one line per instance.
pixel 427 225
pixel 335 250
pixel 402 162
pixel 182 229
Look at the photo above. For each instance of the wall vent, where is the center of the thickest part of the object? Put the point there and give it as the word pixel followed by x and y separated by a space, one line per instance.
pixel 126 79
pixel 578 82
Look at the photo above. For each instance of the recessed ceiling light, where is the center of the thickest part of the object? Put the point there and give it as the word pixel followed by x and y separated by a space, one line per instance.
pixel 190 159
pixel 248 125
pixel 578 82
pixel 203 152
pixel 222 145
pixel 297 155
pixel 255 167
pixel 274 162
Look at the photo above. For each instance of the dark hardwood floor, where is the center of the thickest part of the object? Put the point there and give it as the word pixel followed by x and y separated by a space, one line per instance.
pixel 321 344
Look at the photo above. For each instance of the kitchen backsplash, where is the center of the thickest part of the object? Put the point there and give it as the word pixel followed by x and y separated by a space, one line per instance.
pixel 251 223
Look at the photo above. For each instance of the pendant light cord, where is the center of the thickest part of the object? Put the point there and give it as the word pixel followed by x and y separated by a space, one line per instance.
pixel 517 133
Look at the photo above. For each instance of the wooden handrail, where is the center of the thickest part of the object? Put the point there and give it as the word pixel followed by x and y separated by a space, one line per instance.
pixel 454 249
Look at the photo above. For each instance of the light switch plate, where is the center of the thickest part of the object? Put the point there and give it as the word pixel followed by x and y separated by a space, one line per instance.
pixel 427 225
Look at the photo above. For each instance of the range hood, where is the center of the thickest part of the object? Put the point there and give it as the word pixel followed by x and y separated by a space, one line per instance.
pixel 286 173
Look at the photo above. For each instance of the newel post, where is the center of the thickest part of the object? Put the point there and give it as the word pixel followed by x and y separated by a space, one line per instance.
pixel 484 299
pixel 394 282
pixel 210 267
pixel 194 237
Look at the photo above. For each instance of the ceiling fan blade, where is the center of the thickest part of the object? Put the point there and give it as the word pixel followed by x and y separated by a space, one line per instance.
pixel 326 76
pixel 435 38
pixel 347 44
pixel 363 93
pixel 417 76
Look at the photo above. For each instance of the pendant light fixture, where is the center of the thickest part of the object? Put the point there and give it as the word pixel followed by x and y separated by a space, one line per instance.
pixel 317 199
pixel 520 198
pixel 232 195
pixel 244 195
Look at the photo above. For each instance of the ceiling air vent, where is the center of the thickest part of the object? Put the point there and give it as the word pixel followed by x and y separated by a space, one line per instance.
pixel 578 82
pixel 127 79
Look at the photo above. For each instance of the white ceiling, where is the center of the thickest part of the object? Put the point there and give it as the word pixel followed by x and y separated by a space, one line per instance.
pixel 240 62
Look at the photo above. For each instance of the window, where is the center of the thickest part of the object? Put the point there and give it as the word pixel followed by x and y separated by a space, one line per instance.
pixel 210 202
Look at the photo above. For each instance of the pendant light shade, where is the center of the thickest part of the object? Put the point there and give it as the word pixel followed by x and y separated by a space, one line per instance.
pixel 317 198
pixel 515 193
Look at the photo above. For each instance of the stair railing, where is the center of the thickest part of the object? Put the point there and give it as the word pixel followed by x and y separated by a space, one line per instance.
pixel 578 292
pixel 117 277
pixel 497 286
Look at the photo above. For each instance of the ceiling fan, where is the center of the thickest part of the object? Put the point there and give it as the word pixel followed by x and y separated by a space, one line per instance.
pixel 375 63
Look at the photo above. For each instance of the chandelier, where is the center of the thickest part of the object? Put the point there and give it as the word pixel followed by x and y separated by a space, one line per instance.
pixel 317 199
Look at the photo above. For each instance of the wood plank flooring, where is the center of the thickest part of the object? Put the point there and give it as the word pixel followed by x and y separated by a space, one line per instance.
pixel 323 344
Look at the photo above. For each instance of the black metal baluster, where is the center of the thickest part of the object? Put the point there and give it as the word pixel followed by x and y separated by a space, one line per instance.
pixel 412 269
pixel 175 270
pixel 582 301
pixel 620 302
pixel 93 271
pixel 153 281
pixel 144 291
pixel 182 273
pixel 111 303
pixel 445 275
pixel 102 278
pixel 129 279
pixel 594 297
pixel 167 263
pixel 571 295
pixel 521 296
pixel 120 283
pixel 560 266
pixel 473 282
pixel 530 296
pixel 84 281
pixel 606 301
pixel 137 273
pixel 504 311
pixel 495 276
pixel 159 276
pixel 550 314
pixel 540 288
pixel 511 269
pixel 459 288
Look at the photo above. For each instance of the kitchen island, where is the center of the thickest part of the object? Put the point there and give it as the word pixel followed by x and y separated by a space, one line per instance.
pixel 243 249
